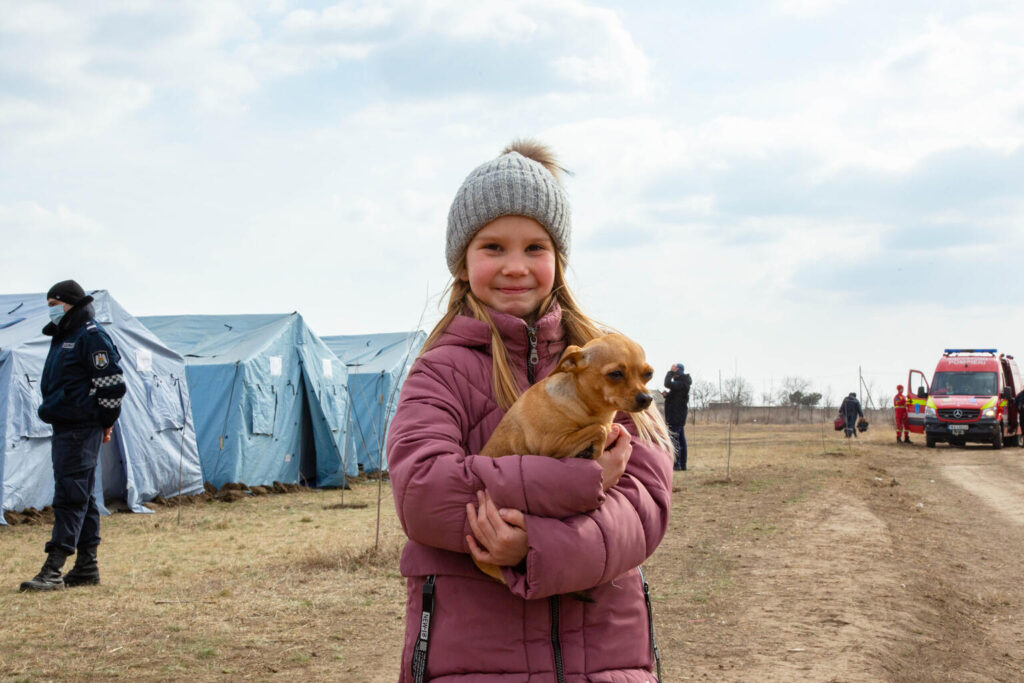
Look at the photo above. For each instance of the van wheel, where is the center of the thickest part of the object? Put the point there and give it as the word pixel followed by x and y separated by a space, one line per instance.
pixel 929 441
pixel 997 440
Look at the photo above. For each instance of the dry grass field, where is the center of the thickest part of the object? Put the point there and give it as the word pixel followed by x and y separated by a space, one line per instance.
pixel 815 559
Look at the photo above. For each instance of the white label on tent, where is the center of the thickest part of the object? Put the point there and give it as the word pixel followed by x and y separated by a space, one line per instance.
pixel 275 366
pixel 328 367
pixel 287 457
pixel 143 360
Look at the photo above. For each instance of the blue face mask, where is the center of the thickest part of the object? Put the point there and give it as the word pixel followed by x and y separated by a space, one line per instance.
pixel 56 313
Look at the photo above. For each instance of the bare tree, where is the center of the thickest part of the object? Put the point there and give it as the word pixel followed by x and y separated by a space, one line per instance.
pixel 766 400
pixel 737 391
pixel 792 389
pixel 701 392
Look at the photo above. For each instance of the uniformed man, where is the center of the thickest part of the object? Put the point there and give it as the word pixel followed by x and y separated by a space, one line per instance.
pixel 82 388
pixel 899 403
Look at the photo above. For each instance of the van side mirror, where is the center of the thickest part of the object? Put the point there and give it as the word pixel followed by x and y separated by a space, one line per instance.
pixel 921 393
pixel 1008 393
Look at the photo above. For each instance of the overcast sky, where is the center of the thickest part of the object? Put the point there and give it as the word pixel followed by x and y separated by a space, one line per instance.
pixel 788 187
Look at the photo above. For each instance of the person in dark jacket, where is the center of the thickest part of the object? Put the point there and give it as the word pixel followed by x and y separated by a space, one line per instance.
pixel 850 410
pixel 677 402
pixel 82 387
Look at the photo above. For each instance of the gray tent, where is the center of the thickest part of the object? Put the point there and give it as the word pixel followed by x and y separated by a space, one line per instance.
pixel 153 449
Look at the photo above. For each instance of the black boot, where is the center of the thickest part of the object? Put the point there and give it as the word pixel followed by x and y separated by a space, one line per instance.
pixel 48 578
pixel 86 571
pixel 906 438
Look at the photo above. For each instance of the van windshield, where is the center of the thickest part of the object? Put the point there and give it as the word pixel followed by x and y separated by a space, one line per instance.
pixel 965 384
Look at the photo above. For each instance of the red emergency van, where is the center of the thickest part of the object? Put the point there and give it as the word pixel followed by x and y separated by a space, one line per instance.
pixel 970 398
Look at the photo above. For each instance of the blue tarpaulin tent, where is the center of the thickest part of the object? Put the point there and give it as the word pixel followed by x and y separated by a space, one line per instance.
pixel 377 364
pixel 153 449
pixel 268 398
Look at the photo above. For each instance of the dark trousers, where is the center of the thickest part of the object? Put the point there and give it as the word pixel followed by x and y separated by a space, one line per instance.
pixel 76 517
pixel 678 434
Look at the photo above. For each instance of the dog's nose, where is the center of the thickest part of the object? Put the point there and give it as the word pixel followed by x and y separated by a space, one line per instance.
pixel 644 400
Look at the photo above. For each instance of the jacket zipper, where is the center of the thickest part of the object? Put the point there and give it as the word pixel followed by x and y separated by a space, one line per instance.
pixel 533 358
pixel 556 645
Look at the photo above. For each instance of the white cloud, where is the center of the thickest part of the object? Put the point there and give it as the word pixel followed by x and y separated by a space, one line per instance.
pixel 100 64
pixel 722 211
pixel 806 8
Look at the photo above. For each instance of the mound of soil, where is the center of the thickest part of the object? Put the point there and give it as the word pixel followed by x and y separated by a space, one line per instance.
pixel 29 516
pixel 228 493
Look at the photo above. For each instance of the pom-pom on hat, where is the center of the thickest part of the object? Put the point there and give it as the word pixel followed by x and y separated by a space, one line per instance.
pixel 517 183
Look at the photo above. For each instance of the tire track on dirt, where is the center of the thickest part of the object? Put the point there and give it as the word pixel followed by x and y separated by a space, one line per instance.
pixel 823 609
pixel 991 485
pixel 957 526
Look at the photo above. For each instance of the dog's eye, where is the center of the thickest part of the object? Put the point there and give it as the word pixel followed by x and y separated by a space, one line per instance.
pixel 615 374
pixel 647 376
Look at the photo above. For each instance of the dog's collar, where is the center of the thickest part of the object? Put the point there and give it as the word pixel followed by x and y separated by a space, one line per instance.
pixel 587 453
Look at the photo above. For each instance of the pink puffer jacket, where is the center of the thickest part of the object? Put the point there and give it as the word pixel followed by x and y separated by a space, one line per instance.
pixel 579 536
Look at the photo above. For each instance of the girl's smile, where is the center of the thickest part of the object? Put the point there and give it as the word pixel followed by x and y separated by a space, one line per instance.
pixel 510 265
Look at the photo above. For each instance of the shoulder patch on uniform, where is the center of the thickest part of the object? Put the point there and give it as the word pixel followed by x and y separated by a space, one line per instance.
pixel 100 360
pixel 91 326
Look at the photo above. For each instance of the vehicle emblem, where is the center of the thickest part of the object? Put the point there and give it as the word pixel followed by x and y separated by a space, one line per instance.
pixel 958 413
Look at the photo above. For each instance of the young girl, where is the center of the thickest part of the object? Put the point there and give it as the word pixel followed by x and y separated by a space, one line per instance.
pixel 555 527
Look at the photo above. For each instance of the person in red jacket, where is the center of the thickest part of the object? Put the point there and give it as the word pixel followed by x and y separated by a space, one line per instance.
pixel 899 403
pixel 554 527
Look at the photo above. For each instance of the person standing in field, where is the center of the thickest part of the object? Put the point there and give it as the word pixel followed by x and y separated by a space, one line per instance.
pixel 677 402
pixel 850 410
pixel 554 527
pixel 899 403
pixel 82 387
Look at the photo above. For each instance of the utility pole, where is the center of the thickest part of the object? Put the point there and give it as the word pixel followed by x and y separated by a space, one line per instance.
pixel 864 389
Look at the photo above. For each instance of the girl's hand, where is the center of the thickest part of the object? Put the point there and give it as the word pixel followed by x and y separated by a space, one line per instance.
pixel 615 456
pixel 500 536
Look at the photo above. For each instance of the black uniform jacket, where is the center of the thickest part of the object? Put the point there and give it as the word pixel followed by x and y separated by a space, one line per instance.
pixel 82 382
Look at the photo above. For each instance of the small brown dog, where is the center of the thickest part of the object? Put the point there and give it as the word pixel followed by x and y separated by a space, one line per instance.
pixel 570 412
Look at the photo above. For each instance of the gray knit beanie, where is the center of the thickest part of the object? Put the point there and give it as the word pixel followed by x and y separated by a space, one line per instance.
pixel 510 185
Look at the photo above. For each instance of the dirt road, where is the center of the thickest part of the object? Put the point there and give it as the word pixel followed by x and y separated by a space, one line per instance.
pixel 871 562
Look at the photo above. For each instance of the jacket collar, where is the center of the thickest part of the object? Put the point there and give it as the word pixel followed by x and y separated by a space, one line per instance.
pixel 78 315
pixel 467 331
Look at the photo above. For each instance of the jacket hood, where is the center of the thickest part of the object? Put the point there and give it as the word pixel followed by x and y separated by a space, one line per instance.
pixel 77 315
pixel 470 332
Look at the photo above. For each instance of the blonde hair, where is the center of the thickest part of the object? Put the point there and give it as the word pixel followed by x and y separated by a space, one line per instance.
pixel 579 329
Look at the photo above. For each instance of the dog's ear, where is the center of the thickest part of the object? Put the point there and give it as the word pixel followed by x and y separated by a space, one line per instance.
pixel 572 360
